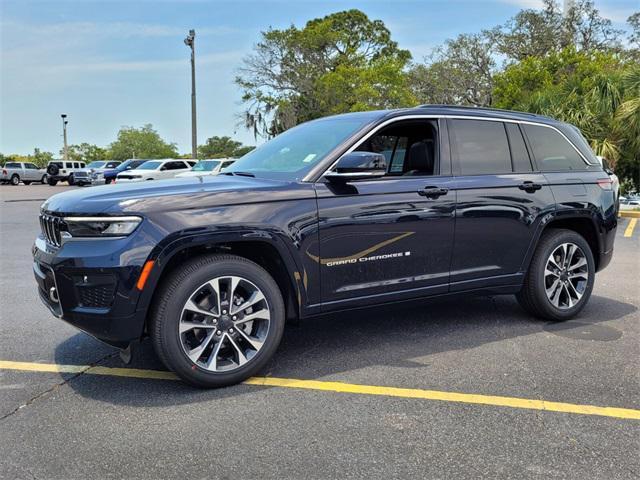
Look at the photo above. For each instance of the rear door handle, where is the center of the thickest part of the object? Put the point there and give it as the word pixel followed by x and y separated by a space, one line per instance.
pixel 433 192
pixel 529 186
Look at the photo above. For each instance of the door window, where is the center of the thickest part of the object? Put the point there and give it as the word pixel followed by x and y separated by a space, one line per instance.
pixel 551 150
pixel 31 166
pixel 175 166
pixel 480 147
pixel 408 146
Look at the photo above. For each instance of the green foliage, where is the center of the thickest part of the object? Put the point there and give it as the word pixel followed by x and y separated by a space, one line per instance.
pixel 86 152
pixel 141 142
pixel 222 147
pixel 38 157
pixel 340 63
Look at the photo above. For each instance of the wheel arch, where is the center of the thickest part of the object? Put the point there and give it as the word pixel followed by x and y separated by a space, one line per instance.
pixel 261 248
pixel 584 225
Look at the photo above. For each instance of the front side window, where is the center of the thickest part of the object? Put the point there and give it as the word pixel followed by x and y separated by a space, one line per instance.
pixel 175 166
pixel 480 147
pixel 408 146
pixel 31 166
pixel 551 150
pixel 76 165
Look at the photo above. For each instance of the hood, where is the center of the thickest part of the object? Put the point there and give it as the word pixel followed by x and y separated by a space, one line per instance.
pixel 175 194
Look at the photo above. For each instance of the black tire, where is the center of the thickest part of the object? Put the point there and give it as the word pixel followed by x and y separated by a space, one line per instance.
pixel 107 181
pixel 26 182
pixel 70 180
pixel 533 297
pixel 52 182
pixel 15 179
pixel 44 179
pixel 53 169
pixel 176 290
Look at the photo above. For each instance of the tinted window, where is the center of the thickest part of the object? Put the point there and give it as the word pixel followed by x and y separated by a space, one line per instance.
pixel 76 165
pixel 12 165
pixel 31 166
pixel 226 164
pixel 551 151
pixel 149 165
pixel 480 147
pixel 174 166
pixel 519 154
pixel 68 165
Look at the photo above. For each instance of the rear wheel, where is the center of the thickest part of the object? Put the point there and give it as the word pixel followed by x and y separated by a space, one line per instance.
pixel 15 179
pixel 560 278
pixel 217 320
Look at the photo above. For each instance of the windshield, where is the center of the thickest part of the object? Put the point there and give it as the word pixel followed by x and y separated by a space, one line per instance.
pixel 149 165
pixel 96 164
pixel 205 166
pixel 292 153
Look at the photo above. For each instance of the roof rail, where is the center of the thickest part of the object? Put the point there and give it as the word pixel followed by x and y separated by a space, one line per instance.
pixel 488 109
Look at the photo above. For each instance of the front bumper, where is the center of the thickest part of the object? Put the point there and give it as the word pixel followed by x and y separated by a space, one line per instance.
pixel 86 284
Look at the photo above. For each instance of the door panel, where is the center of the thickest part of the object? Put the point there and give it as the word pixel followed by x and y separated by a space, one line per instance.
pixel 382 237
pixel 495 223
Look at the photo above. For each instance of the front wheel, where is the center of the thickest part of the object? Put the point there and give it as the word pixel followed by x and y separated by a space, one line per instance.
pixel 560 278
pixel 217 320
pixel 70 180
pixel 52 182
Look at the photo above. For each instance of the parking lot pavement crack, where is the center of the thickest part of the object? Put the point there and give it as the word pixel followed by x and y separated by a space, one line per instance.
pixel 56 386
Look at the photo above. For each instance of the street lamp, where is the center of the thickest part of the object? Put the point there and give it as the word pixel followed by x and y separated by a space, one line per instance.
pixel 190 42
pixel 64 134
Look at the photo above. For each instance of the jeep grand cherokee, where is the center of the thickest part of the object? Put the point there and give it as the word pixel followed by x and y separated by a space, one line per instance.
pixel 338 213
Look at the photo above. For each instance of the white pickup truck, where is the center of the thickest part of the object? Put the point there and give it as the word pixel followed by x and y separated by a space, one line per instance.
pixel 25 172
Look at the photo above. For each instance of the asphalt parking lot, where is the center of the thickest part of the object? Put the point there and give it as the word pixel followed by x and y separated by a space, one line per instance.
pixel 447 389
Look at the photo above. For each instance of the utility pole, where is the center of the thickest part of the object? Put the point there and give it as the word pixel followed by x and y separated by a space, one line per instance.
pixel 190 42
pixel 64 135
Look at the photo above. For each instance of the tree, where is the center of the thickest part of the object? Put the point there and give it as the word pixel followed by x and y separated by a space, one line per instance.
pixel 40 158
pixel 458 73
pixel 86 152
pixel 536 33
pixel 340 63
pixel 222 147
pixel 142 142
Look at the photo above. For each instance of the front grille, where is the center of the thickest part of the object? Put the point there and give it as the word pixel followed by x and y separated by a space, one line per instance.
pixel 81 174
pixel 50 226
pixel 99 296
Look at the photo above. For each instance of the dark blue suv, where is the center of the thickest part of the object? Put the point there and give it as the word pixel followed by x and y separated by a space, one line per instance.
pixel 338 213
pixel 131 164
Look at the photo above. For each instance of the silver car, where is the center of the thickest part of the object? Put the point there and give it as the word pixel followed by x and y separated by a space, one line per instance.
pixel 25 172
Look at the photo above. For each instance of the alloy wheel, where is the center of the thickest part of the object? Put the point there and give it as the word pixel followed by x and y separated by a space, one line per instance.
pixel 224 324
pixel 566 276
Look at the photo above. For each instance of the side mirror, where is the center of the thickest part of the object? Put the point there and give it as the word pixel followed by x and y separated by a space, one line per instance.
pixel 128 168
pixel 358 166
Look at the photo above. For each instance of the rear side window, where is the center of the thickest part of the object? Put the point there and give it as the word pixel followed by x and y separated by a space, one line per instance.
pixel 12 165
pixel 480 147
pixel 519 154
pixel 551 150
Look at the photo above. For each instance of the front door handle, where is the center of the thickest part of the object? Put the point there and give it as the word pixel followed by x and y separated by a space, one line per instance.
pixel 433 192
pixel 529 186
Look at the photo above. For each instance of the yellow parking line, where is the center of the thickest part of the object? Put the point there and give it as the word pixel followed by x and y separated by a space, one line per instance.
pixel 630 226
pixel 415 393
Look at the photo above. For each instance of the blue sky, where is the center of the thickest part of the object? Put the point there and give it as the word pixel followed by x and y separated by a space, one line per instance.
pixel 113 63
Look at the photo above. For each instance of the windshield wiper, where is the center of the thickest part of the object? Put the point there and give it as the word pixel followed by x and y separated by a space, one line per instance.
pixel 241 174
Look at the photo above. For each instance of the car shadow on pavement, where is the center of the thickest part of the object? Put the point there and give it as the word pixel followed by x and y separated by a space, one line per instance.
pixel 389 336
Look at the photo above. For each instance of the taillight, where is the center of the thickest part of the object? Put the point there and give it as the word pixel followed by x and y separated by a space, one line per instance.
pixel 605 183
pixel 4 172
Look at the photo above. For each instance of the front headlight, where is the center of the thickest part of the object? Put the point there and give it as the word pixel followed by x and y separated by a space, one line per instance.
pixel 101 226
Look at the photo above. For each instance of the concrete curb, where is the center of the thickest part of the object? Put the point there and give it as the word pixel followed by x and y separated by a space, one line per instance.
pixel 629 214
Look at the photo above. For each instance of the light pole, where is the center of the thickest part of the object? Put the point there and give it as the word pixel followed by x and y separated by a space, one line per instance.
pixel 190 42
pixel 64 135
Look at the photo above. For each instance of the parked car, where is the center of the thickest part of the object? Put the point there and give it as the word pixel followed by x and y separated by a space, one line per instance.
pixel 93 174
pixel 61 171
pixel 349 211
pixel 25 172
pixel 131 164
pixel 155 170
pixel 207 167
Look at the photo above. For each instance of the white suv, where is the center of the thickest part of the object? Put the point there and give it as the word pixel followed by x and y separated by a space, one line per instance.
pixel 60 171
pixel 207 167
pixel 155 170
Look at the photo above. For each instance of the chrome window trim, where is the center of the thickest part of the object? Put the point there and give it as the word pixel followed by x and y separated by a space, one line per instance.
pixel 311 174
pixel 102 219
